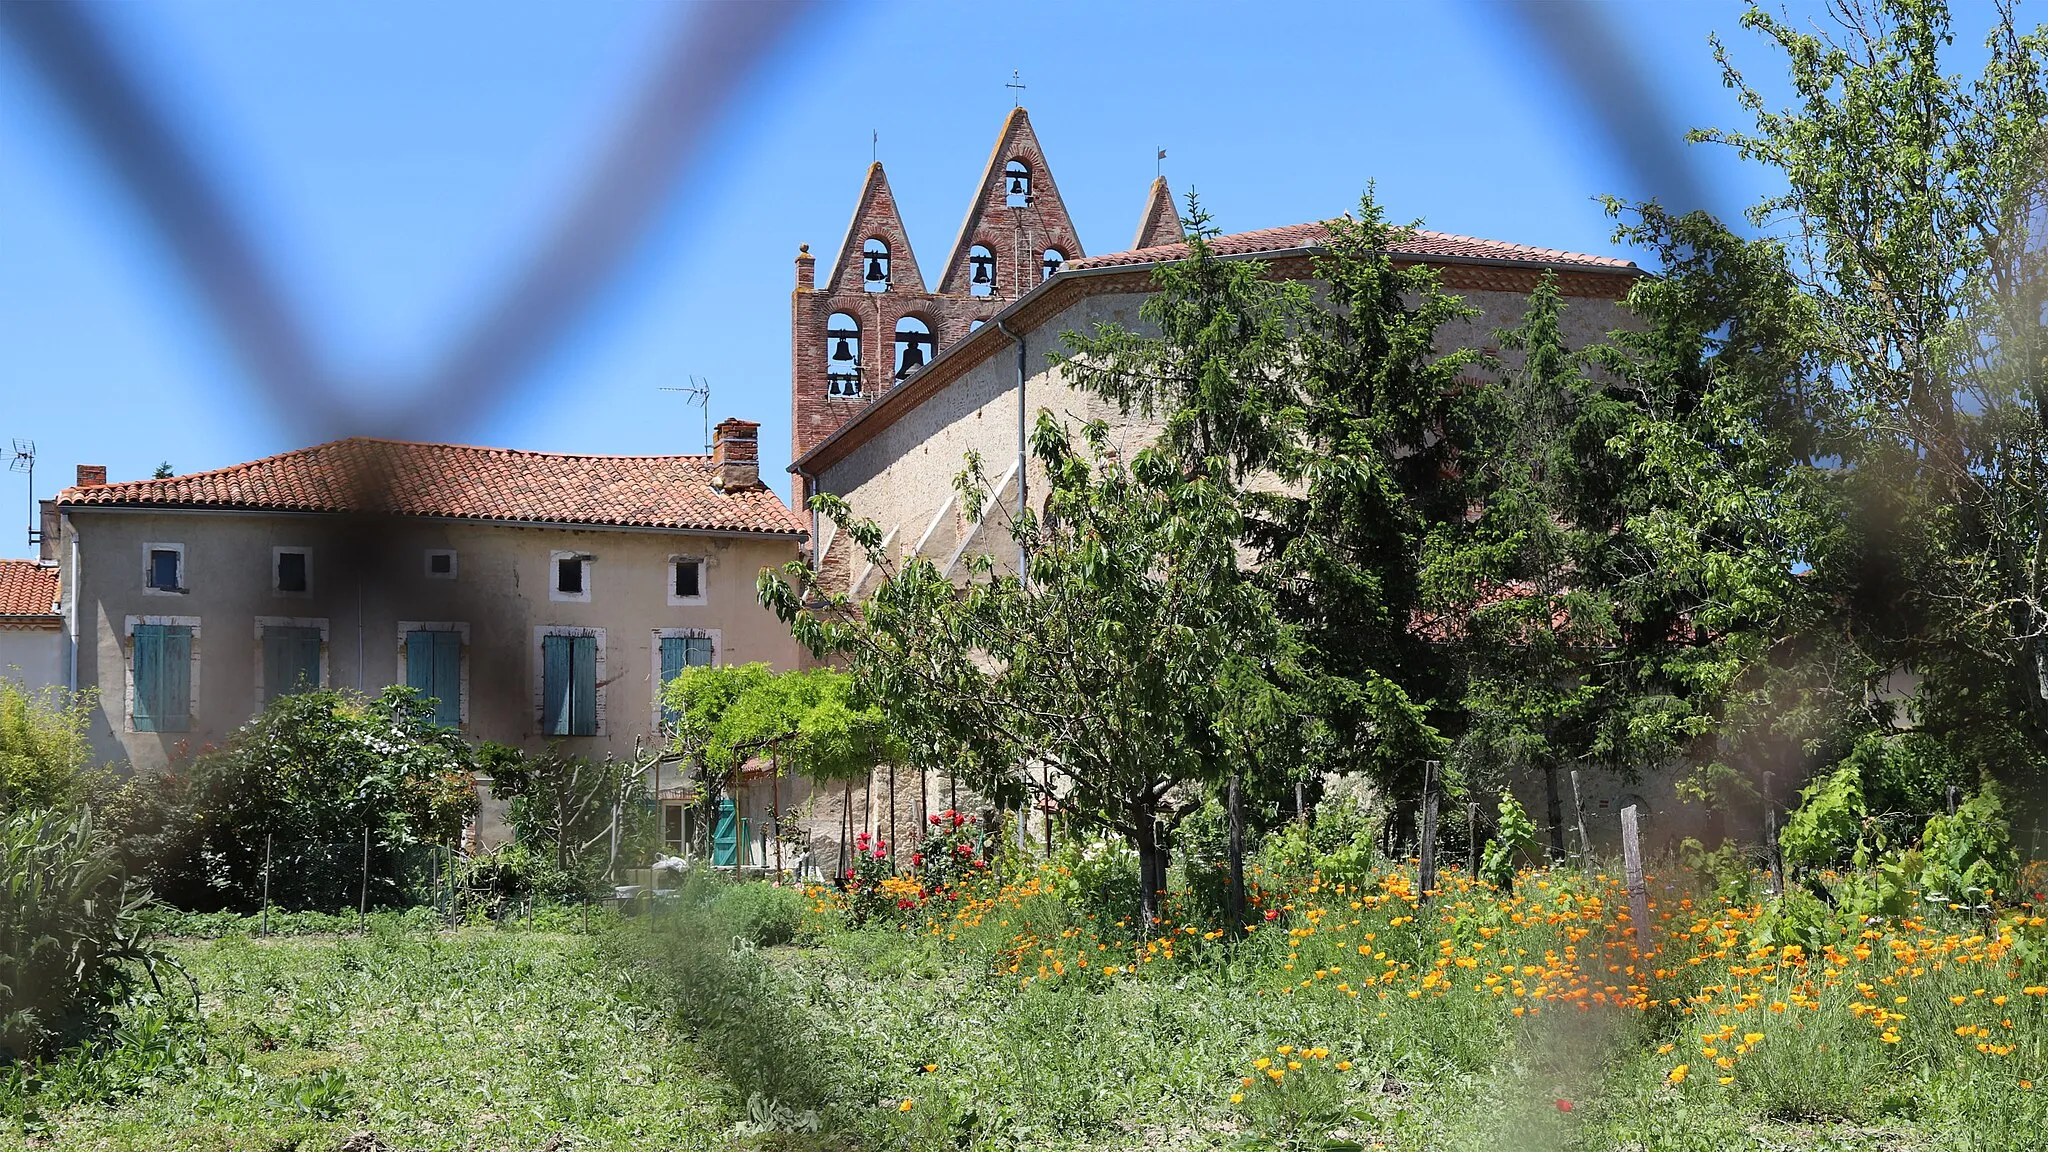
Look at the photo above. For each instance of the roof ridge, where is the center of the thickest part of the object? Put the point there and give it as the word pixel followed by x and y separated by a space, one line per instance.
pixel 310 449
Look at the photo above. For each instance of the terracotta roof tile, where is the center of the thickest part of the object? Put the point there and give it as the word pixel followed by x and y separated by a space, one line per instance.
pixel 27 589
pixel 447 480
pixel 1420 243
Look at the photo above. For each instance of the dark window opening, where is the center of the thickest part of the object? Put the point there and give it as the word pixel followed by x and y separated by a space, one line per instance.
pixel 163 569
pixel 291 571
pixel 441 563
pixel 569 575
pixel 689 578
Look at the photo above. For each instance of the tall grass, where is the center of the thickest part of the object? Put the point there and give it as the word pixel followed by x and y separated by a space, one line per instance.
pixel 71 944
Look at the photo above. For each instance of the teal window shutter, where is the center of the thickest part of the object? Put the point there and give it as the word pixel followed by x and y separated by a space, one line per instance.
pixel 433 665
pixel 698 651
pixel 174 696
pixel 419 662
pixel 163 678
pixel 448 679
pixel 671 664
pixel 584 720
pixel 291 661
pixel 568 685
pixel 555 685
pixel 148 658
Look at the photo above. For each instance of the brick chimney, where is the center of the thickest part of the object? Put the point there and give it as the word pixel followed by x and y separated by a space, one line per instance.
pixel 92 475
pixel 736 455
pixel 806 269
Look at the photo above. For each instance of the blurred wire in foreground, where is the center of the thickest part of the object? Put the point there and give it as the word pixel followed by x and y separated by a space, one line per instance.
pixel 710 56
pixel 1585 56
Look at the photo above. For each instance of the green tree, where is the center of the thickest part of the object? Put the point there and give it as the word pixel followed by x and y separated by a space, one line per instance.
pixel 809 722
pixel 1110 668
pixel 1912 199
pixel 1385 422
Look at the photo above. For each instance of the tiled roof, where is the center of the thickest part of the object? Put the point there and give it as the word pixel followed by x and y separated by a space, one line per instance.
pixel 27 589
pixel 1420 243
pixel 397 477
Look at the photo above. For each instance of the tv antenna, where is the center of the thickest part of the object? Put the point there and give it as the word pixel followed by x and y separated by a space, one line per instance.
pixel 25 461
pixel 699 393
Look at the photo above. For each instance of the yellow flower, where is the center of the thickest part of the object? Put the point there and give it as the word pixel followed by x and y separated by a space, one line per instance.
pixel 1237 1097
pixel 1727 1079
pixel 1294 1065
pixel 1677 1075
pixel 1244 1080
pixel 905 1106
pixel 1752 1037
pixel 1343 1065
pixel 1275 1073
pixel 1262 1063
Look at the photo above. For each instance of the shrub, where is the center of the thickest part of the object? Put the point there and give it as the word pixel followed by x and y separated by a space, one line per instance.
pixel 562 810
pixel 314 771
pixel 1969 854
pixel 44 750
pixel 1514 840
pixel 767 914
pixel 70 934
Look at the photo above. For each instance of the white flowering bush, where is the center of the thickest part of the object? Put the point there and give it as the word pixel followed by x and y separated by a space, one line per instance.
pixel 315 772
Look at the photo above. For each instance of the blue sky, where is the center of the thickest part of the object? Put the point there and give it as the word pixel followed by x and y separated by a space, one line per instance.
pixel 392 160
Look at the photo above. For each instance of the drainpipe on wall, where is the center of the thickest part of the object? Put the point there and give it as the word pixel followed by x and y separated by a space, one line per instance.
pixel 1023 453
pixel 808 482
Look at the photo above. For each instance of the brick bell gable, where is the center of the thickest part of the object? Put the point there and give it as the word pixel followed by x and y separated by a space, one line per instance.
pixel 1161 222
pixel 1018 236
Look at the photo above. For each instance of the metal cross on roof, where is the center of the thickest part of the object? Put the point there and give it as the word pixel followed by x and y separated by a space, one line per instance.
pixel 1016 86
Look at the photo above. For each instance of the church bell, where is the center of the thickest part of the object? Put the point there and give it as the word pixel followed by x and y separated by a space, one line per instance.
pixel 913 359
pixel 980 272
pixel 1016 185
pixel 842 352
pixel 875 273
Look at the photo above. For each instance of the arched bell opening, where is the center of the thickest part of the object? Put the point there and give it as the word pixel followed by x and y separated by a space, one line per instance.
pixel 981 278
pixel 842 355
pixel 1049 265
pixel 1017 183
pixel 914 345
pixel 874 258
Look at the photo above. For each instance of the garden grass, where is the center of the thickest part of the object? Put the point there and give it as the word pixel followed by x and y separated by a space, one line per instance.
pixel 477 1039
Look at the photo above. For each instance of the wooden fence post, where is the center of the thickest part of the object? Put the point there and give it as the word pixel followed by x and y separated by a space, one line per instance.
pixel 1426 871
pixel 1632 869
pixel 266 884
pixel 1579 812
pixel 363 903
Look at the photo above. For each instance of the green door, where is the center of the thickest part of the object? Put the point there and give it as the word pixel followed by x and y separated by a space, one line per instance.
pixel 725 836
